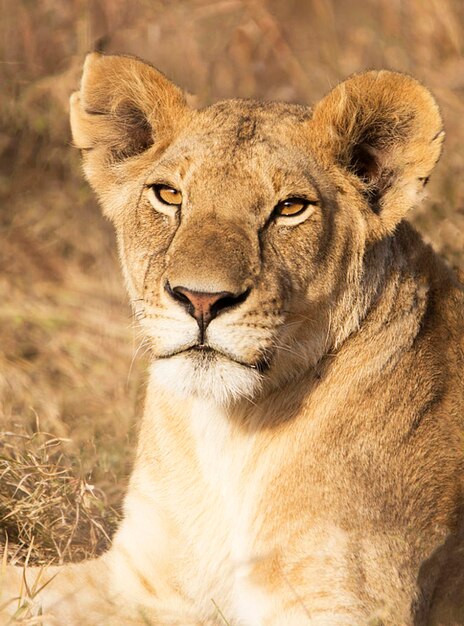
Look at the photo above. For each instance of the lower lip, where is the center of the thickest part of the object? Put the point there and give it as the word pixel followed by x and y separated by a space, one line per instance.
pixel 204 349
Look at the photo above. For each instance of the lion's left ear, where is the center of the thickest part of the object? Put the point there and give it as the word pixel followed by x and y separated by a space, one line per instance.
pixel 386 130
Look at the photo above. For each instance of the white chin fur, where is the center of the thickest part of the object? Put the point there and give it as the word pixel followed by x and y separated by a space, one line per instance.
pixel 220 380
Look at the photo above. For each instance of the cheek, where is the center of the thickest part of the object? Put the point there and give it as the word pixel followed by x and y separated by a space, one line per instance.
pixel 292 254
pixel 143 242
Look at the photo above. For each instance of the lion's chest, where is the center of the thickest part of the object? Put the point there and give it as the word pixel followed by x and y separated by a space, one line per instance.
pixel 223 496
pixel 247 500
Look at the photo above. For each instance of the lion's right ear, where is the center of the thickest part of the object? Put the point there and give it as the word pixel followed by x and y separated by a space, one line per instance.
pixel 123 106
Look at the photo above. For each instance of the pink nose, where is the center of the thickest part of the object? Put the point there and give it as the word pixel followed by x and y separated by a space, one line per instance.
pixel 204 306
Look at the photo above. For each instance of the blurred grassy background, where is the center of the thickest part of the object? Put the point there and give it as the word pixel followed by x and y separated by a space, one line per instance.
pixel 70 386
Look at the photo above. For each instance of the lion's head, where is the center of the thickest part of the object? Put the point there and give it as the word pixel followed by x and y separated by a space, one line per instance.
pixel 253 236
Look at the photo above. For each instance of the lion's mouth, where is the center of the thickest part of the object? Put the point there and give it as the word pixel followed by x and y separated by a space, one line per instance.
pixel 209 354
pixel 203 347
pixel 206 354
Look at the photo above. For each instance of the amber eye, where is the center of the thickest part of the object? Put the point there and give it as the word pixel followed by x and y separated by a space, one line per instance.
pixel 291 207
pixel 167 195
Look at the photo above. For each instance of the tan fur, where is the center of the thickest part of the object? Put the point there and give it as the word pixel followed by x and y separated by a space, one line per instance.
pixel 308 469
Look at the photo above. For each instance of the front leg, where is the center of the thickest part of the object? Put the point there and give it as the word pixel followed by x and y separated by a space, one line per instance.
pixel 84 595
pixel 49 596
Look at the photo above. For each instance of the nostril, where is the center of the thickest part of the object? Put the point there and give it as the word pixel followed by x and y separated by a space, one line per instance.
pixel 177 293
pixel 180 295
pixel 229 300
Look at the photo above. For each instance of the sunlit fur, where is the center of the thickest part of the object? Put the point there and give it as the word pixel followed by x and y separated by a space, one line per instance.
pixel 302 462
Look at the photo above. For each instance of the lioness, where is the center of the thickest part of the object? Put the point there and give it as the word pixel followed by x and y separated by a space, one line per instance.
pixel 301 454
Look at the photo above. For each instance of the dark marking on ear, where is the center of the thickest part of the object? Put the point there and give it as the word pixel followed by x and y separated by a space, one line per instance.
pixel 364 162
pixel 134 126
pixel 387 132
pixel 385 182
pixel 373 197
pixel 370 152
pixel 246 129
pixel 376 138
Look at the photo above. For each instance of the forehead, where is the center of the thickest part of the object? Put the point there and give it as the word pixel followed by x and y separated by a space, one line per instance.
pixel 251 122
pixel 237 137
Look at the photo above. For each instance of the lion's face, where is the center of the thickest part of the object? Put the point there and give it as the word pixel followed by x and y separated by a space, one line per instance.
pixel 242 233
pixel 227 272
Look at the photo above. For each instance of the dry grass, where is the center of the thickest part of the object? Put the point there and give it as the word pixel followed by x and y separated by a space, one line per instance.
pixel 44 501
pixel 66 335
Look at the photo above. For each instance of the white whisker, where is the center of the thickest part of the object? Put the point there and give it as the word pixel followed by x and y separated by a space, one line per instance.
pixel 143 344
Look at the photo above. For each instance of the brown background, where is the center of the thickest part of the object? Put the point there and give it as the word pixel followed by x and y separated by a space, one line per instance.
pixel 67 339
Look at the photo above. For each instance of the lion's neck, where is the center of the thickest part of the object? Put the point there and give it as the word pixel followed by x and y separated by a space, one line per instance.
pixel 391 293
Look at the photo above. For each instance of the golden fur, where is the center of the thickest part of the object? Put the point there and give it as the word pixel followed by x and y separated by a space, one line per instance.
pixel 306 464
